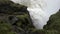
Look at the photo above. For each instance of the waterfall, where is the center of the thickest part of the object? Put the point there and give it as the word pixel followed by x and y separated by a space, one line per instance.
pixel 40 10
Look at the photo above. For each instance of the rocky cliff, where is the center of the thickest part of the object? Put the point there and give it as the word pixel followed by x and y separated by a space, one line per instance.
pixel 14 18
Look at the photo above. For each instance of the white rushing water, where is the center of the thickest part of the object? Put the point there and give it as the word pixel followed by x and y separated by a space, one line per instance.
pixel 40 10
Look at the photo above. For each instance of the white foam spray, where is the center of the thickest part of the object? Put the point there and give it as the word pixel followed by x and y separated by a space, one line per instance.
pixel 40 10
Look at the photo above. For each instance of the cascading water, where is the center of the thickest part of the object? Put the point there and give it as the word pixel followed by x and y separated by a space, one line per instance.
pixel 40 10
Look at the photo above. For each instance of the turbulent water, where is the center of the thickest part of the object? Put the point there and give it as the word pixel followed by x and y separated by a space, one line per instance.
pixel 40 10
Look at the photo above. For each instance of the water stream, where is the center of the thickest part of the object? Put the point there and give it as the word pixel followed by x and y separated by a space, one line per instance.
pixel 40 10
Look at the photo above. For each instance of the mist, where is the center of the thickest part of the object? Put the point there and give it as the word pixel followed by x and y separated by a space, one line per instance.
pixel 40 10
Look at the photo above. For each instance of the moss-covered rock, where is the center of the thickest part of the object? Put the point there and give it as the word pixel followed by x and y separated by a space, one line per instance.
pixel 14 18
pixel 54 22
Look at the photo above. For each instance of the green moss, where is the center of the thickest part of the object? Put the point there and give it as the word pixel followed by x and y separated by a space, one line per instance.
pixel 11 33
pixel 14 18
pixel 54 22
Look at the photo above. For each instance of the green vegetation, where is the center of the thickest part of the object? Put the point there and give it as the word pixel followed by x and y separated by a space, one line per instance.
pixel 15 19
pixel 54 22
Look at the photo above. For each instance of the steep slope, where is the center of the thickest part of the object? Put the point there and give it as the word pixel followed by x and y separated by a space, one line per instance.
pixel 54 22
pixel 14 18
